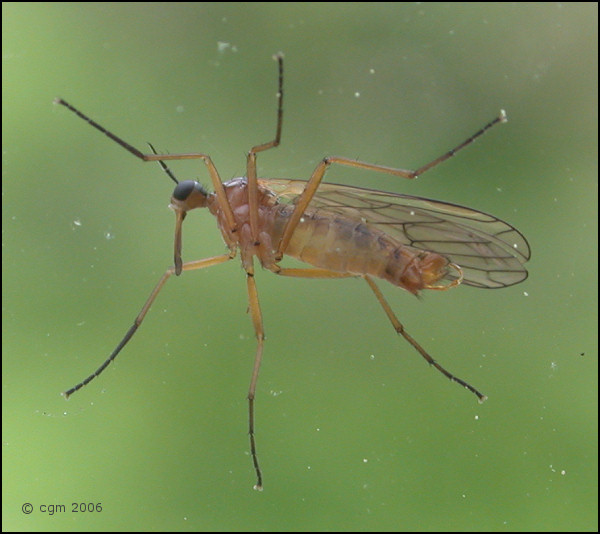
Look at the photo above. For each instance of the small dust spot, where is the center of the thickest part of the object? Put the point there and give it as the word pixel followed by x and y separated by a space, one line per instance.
pixel 222 47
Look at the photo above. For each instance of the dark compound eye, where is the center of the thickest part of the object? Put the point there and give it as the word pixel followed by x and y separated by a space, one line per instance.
pixel 184 189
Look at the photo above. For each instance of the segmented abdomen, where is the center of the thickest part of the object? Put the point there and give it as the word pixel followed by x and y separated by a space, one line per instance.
pixel 344 245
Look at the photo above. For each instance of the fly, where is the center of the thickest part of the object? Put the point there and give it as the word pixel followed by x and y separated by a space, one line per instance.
pixel 340 231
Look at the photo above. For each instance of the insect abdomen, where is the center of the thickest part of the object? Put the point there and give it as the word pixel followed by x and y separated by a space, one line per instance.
pixel 345 245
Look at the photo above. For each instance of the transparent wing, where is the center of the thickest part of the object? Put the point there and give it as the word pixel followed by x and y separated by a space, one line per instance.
pixel 490 252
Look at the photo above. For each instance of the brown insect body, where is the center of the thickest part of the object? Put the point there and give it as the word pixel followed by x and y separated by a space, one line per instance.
pixel 339 231
pixel 348 245
pixel 352 246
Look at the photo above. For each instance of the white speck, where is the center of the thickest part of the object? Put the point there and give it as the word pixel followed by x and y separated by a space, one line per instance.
pixel 553 366
pixel 525 294
pixel 563 472
pixel 302 219
pixel 372 357
pixel 365 460
pixel 109 236
pixel 412 213
pixel 499 189
pixel 223 46
pixel 476 418
pixel 357 94
pixel 371 71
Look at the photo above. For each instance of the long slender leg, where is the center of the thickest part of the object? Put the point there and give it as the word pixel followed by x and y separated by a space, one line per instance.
pixel 317 176
pixel 309 272
pixel 257 321
pixel 400 330
pixel 251 158
pixel 189 266
pixel 212 170
pixel 324 273
pixel 260 338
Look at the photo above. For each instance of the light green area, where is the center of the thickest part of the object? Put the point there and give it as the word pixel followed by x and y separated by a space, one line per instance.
pixel 354 431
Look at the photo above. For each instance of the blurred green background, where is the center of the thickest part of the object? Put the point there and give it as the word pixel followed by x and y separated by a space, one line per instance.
pixel 354 431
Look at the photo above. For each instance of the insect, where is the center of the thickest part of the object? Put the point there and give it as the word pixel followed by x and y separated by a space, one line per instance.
pixel 340 231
